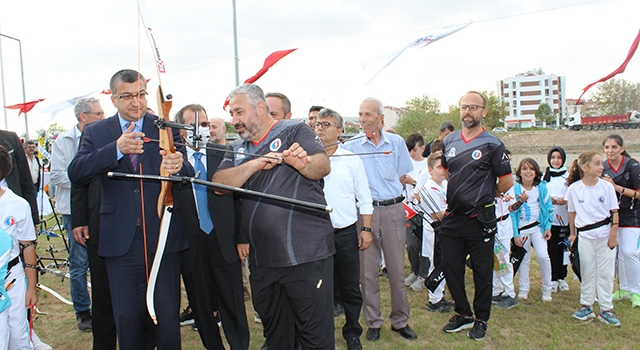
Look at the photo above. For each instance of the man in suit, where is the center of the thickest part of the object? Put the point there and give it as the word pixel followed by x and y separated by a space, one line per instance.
pixel 85 220
pixel 129 223
pixel 30 149
pixel 19 179
pixel 211 268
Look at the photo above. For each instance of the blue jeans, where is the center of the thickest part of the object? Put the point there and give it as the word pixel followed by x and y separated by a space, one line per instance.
pixel 78 266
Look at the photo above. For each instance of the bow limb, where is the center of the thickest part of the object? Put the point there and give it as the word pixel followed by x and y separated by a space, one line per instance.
pixel 165 203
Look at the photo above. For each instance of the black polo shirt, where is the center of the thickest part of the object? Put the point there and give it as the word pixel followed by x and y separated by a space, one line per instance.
pixel 474 166
pixel 282 234
pixel 627 175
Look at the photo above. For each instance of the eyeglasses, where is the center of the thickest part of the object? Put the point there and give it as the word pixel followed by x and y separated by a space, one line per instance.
pixel 142 95
pixel 99 114
pixel 470 107
pixel 323 124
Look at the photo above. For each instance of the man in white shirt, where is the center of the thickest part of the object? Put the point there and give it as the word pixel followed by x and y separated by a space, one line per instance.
pixel 346 189
pixel 33 161
pixel 87 110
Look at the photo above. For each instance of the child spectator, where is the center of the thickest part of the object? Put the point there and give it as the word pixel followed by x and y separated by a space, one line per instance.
pixel 16 220
pixel 532 225
pixel 593 222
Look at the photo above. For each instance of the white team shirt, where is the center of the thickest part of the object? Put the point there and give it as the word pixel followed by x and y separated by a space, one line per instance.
pixel 418 168
pixel 505 227
pixel 530 209
pixel 592 204
pixel 346 189
pixel 15 214
pixel 557 187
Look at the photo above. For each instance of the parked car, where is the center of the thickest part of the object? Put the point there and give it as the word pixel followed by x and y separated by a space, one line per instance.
pixel 499 130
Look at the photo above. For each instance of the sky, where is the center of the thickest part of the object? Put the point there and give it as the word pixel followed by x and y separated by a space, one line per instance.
pixel 72 47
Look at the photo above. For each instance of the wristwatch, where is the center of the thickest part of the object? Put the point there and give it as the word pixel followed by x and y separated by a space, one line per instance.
pixel 364 228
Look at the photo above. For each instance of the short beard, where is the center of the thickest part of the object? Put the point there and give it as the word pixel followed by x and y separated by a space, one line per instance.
pixel 252 128
pixel 471 124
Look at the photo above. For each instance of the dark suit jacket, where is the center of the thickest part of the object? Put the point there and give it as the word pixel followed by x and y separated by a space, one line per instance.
pixel 221 208
pixel 85 208
pixel 19 179
pixel 121 207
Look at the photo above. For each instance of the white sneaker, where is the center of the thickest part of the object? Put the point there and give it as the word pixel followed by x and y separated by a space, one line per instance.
pixel 418 285
pixel 38 344
pixel 563 286
pixel 524 295
pixel 410 279
pixel 554 286
pixel 546 296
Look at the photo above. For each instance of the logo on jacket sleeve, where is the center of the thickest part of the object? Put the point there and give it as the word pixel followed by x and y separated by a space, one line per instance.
pixel 451 153
pixel 9 221
pixel 275 145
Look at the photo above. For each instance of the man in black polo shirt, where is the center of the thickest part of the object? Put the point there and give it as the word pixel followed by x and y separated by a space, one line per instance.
pixel 291 247
pixel 474 159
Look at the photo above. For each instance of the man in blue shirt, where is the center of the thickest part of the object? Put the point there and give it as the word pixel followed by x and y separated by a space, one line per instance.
pixel 386 173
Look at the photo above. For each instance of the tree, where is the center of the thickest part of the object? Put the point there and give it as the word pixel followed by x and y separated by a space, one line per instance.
pixel 545 114
pixel 423 116
pixel 617 96
pixel 497 110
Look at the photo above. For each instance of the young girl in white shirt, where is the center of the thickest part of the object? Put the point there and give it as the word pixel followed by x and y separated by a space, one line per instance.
pixel 593 221
pixel 532 225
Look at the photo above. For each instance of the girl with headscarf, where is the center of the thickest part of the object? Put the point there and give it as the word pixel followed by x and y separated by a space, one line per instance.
pixel 556 178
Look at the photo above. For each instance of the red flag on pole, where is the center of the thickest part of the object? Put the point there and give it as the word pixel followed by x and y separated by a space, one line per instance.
pixel 24 107
pixel 268 63
pixel 620 69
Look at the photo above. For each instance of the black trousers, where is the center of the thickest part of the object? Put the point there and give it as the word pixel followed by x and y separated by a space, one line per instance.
pixel 346 270
pixel 556 252
pixel 212 285
pixel 460 236
pixel 419 264
pixel 295 302
pixel 103 324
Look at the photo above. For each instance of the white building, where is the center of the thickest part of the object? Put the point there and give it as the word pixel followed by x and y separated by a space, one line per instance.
pixel 525 92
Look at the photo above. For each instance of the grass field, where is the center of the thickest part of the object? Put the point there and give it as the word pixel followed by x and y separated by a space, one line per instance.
pixel 531 325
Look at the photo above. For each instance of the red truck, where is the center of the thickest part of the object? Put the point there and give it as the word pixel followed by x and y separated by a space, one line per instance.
pixel 602 122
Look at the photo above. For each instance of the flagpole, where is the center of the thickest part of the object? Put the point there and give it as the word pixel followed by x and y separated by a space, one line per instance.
pixel 235 42
pixel 24 98
pixel 4 102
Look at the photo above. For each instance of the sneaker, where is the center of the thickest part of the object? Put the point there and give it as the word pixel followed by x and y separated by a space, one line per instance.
pixel 479 330
pixel 554 286
pixel 38 344
pixel 457 323
pixel 385 272
pixel 584 313
pixel 418 285
pixel 609 318
pixel 621 294
pixel 524 295
pixel 546 296
pixel 194 327
pixel 257 318
pixel 507 303
pixel 83 321
pixel 497 298
pixel 186 317
pixel 440 306
pixel 410 279
pixel 563 286
pixel 635 300
pixel 354 344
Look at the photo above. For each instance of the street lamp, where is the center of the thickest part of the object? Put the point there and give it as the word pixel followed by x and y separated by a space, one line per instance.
pixel 26 126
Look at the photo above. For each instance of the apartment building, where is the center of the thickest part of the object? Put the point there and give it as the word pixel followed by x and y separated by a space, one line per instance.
pixel 525 92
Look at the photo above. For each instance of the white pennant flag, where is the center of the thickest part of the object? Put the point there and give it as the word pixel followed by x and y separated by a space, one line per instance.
pixel 373 67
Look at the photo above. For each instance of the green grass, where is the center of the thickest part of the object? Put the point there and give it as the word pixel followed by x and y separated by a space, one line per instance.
pixel 530 325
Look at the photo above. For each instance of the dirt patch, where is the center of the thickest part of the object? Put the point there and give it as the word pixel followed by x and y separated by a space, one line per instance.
pixel 540 141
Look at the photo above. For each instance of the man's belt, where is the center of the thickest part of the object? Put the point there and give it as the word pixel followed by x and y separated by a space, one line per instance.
pixel 384 203
pixel 503 217
pixel 13 262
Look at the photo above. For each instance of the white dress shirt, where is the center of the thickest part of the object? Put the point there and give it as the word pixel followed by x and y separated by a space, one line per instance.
pixel 346 189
